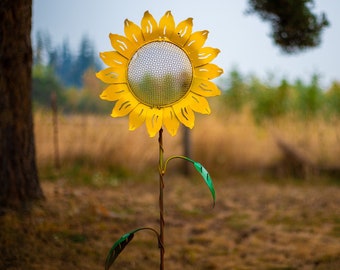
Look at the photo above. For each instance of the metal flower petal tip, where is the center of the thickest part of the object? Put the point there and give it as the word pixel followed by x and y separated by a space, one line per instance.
pixel 159 74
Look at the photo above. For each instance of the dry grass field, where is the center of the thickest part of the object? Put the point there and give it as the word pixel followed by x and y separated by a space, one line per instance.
pixel 107 185
pixel 223 142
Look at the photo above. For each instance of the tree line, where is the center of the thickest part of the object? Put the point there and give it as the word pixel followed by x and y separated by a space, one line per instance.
pixel 70 76
pixel 267 99
pixel 67 66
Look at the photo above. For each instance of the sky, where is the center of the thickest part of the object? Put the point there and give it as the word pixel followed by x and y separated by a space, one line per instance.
pixel 244 40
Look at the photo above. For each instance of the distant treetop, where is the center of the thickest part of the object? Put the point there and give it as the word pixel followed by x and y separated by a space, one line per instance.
pixel 68 66
pixel 294 27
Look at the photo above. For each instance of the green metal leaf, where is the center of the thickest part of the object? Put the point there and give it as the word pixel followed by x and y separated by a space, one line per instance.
pixel 117 248
pixel 122 242
pixel 206 176
pixel 200 169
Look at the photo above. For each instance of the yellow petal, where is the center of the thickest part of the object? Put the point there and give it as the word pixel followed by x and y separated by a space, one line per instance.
pixel 184 113
pixel 198 103
pixel 167 25
pixel 133 32
pixel 137 116
pixel 170 120
pixel 114 92
pixel 196 41
pixel 208 71
pixel 112 75
pixel 113 59
pixel 149 27
pixel 122 45
pixel 182 32
pixel 204 88
pixel 124 105
pixel 154 120
pixel 203 56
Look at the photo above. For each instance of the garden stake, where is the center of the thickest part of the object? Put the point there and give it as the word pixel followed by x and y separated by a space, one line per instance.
pixel 159 74
pixel 161 204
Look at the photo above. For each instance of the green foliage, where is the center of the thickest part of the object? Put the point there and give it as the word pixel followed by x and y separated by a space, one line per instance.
pixel 310 98
pixel 71 77
pixel 68 67
pixel 84 100
pixel 267 100
pixel 332 99
pixel 236 90
pixel 294 26
pixel 44 83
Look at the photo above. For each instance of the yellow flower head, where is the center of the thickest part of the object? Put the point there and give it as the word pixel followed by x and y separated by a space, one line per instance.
pixel 159 73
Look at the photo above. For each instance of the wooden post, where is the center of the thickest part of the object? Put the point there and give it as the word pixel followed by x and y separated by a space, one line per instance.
pixel 55 130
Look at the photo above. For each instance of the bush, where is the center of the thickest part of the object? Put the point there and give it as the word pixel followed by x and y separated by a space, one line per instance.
pixel 332 99
pixel 269 101
pixel 310 98
pixel 44 83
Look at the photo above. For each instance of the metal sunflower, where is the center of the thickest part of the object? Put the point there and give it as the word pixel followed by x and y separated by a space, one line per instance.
pixel 159 73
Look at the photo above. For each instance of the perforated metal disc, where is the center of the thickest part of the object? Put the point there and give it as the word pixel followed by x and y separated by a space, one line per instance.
pixel 159 73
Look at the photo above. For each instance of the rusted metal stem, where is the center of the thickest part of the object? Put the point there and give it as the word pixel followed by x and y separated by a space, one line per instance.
pixel 161 205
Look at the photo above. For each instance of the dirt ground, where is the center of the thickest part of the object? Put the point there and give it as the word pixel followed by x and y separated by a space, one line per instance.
pixel 255 224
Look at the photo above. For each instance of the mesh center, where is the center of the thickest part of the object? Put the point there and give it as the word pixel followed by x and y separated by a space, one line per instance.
pixel 159 73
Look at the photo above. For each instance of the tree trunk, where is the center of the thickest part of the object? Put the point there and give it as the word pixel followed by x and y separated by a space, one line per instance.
pixel 19 184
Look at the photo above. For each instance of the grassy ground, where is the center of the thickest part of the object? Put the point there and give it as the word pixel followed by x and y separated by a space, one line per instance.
pixel 108 185
pixel 255 224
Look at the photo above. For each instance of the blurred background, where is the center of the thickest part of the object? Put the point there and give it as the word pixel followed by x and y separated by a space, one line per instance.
pixel 271 145
pixel 277 96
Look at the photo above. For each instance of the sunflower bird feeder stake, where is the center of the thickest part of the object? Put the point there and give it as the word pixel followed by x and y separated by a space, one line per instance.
pixel 159 74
